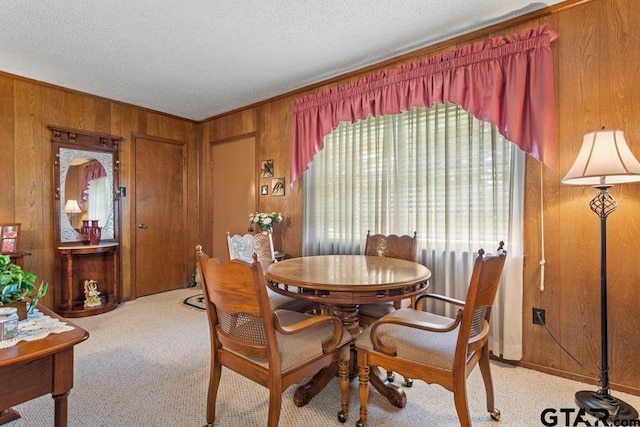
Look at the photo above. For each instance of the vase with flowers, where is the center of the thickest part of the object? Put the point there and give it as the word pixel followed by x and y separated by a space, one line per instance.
pixel 264 220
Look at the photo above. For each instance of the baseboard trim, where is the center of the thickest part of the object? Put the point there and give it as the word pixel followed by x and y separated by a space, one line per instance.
pixel 568 375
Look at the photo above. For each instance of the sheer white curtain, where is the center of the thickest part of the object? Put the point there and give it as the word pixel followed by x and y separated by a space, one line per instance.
pixel 99 198
pixel 439 171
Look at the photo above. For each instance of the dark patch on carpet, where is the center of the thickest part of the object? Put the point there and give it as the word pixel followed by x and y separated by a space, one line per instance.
pixel 196 301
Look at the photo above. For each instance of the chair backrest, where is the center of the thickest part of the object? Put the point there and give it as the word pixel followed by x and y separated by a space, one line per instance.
pixel 237 306
pixel 242 247
pixel 394 246
pixel 481 294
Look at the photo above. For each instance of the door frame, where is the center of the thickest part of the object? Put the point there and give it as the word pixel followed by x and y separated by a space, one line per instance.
pixel 133 209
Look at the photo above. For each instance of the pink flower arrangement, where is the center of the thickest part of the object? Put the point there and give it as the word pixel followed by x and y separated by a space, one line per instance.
pixel 264 220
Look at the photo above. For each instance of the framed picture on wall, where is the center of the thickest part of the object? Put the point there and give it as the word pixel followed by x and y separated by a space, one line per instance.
pixel 264 190
pixel 277 187
pixel 267 168
pixel 8 246
pixel 10 235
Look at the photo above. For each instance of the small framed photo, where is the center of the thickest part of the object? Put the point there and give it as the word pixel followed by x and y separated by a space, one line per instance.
pixel 267 169
pixel 264 190
pixel 10 235
pixel 9 246
pixel 277 187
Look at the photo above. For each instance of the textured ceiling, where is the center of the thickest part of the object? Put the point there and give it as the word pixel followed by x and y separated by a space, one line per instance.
pixel 199 58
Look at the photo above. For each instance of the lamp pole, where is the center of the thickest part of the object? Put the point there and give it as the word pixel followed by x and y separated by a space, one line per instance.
pixel 602 403
pixel 604 159
pixel 606 205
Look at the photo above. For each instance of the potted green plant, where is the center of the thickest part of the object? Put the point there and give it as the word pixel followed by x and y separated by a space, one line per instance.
pixel 17 285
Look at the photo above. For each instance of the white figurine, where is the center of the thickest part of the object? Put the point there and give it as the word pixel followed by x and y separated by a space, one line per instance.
pixel 92 296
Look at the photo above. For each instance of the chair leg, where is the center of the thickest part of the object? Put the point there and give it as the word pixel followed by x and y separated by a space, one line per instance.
pixel 214 382
pixel 343 371
pixel 363 390
pixel 275 404
pixel 485 369
pixel 460 400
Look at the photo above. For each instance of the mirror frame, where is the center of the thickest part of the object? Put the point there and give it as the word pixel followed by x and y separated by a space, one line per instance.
pixel 104 148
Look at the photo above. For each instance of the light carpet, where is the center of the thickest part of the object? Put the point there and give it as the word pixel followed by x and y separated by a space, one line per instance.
pixel 147 364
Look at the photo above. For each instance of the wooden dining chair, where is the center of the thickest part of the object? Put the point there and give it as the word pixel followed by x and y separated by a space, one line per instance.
pixel 242 247
pixel 434 348
pixel 276 349
pixel 393 246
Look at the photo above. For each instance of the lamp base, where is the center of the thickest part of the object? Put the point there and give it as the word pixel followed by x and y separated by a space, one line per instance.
pixel 596 403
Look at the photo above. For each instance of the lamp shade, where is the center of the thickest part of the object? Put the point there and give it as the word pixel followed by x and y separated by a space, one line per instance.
pixel 604 159
pixel 72 206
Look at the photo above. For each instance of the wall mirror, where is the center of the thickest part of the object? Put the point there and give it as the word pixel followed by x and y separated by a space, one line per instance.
pixel 86 179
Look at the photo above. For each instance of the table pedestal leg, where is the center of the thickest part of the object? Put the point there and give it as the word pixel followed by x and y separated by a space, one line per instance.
pixel 349 316
pixel 306 391
pixel 393 393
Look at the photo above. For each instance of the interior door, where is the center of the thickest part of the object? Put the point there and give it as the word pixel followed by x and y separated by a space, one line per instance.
pixel 160 237
pixel 234 189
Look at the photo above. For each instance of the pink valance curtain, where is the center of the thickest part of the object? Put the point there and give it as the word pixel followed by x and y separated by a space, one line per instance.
pixel 507 81
pixel 91 171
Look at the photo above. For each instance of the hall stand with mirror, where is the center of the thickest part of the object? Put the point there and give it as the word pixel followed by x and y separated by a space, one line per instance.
pixel 87 261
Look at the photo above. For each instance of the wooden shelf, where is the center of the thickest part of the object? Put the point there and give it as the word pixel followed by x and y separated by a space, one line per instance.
pixel 78 309
pixel 78 263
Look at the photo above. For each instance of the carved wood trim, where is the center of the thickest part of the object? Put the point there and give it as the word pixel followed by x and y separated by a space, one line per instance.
pixel 73 136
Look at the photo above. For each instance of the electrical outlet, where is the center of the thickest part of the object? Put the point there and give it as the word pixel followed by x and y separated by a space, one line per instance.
pixel 538 316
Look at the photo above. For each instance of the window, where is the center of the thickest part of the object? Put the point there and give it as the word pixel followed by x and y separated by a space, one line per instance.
pixel 438 171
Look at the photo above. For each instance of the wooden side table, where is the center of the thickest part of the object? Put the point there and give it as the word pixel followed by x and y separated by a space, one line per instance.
pixel 87 262
pixel 35 368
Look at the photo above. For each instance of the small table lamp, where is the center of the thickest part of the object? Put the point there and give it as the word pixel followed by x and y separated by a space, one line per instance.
pixel 604 160
pixel 71 208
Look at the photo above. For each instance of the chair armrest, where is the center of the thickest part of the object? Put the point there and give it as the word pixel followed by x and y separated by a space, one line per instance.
pixel 415 324
pixel 439 297
pixel 328 345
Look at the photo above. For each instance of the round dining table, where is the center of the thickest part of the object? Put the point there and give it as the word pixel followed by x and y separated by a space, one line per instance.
pixel 340 283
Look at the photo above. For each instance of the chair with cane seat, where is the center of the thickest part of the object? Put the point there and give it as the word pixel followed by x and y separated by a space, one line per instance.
pixel 437 349
pixel 393 246
pixel 274 348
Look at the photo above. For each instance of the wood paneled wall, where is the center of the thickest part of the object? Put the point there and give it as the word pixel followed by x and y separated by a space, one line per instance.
pixel 596 76
pixel 597 58
pixel 26 164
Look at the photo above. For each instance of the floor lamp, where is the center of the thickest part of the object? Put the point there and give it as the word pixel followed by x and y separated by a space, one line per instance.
pixel 604 160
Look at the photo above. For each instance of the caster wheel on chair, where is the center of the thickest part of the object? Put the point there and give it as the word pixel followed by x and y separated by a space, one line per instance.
pixel 495 414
